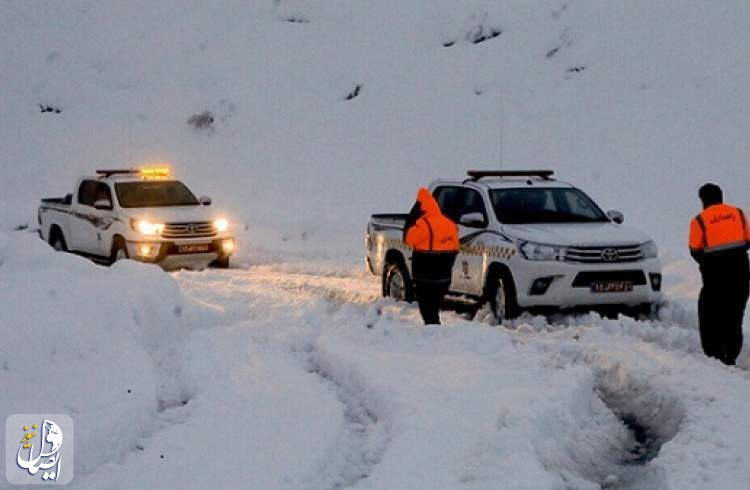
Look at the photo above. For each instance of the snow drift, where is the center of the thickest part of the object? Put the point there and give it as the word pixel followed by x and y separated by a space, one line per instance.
pixel 100 344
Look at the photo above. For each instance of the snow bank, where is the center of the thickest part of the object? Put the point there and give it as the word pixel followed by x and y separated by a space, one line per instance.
pixel 100 344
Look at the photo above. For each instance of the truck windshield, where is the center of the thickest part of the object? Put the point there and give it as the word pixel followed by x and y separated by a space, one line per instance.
pixel 154 194
pixel 545 205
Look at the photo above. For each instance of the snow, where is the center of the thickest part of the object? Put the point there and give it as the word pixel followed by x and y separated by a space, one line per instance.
pixel 289 371
pixel 108 363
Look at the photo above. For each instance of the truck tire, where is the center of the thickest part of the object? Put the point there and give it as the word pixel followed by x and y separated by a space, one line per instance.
pixel 119 251
pixel 397 283
pixel 647 311
pixel 501 296
pixel 57 240
pixel 222 263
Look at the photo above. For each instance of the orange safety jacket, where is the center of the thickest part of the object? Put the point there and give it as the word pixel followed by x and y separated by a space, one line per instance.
pixel 719 227
pixel 433 232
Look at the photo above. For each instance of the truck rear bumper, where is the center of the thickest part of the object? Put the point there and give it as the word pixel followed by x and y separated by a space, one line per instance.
pixel 570 285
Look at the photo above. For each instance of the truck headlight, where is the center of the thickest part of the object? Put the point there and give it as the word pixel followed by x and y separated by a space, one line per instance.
pixel 146 227
pixel 539 251
pixel 649 250
pixel 221 225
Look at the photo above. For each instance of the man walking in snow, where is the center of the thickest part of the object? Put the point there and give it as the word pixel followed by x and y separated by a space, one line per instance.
pixel 719 240
pixel 434 239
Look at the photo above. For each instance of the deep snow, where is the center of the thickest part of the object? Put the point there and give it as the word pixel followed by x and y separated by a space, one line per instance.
pixel 290 372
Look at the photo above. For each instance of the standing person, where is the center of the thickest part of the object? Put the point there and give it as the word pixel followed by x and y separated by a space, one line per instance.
pixel 434 239
pixel 719 240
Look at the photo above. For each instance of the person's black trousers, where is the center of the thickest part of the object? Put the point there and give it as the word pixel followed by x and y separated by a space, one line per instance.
pixel 432 277
pixel 429 296
pixel 721 309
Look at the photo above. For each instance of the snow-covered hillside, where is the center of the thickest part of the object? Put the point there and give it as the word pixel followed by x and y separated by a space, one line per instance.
pixel 638 103
pixel 305 117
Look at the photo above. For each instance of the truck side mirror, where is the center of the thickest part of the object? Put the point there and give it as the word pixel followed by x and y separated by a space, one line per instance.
pixel 205 200
pixel 103 204
pixel 473 220
pixel 615 216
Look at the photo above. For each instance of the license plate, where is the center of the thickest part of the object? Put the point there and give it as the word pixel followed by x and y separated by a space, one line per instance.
pixel 192 248
pixel 611 287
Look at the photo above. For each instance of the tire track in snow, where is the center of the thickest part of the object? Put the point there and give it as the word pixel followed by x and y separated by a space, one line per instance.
pixel 364 436
pixel 647 420
pixel 607 435
pixel 643 412
pixel 308 298
pixel 652 418
pixel 648 416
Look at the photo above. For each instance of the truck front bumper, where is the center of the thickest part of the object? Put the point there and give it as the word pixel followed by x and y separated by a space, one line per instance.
pixel 188 253
pixel 562 284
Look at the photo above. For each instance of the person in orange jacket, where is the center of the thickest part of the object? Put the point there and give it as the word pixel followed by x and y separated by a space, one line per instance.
pixel 719 240
pixel 434 240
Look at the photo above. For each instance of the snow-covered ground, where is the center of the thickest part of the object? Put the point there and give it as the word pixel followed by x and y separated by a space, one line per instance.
pixel 295 374
pixel 289 371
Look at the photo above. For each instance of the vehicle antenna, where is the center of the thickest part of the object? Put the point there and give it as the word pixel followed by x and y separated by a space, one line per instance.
pixel 130 140
pixel 502 129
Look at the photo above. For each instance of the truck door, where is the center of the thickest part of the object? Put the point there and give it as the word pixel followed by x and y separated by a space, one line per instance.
pixel 102 221
pixel 455 202
pixel 88 225
pixel 82 209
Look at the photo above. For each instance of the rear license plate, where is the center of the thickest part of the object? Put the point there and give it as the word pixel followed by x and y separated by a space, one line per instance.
pixel 611 287
pixel 192 248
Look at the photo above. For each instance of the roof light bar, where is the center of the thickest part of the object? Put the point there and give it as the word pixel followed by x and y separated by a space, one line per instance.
pixel 145 172
pixel 154 172
pixel 478 174
pixel 107 173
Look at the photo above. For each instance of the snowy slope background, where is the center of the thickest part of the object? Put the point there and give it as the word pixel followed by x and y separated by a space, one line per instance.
pixel 324 112
pixel 656 108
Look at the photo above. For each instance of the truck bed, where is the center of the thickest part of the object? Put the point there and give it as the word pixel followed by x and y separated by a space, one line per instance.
pixel 64 201
pixel 391 221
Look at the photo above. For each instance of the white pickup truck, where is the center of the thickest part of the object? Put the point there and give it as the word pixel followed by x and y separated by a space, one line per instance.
pixel 141 214
pixel 527 240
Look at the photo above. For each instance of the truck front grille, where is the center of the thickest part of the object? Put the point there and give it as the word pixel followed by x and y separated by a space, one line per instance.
pixel 198 229
pixel 604 254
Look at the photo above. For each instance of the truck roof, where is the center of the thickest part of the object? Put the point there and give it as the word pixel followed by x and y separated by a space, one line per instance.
pixel 114 179
pixel 506 179
pixel 134 174
pixel 521 182
pixel 131 178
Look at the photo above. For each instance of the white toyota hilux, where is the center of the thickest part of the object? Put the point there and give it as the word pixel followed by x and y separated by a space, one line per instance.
pixel 527 241
pixel 142 214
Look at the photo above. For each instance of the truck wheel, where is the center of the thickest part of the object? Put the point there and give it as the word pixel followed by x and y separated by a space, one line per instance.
pixel 648 311
pixel 501 297
pixel 222 263
pixel 397 283
pixel 58 242
pixel 119 251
